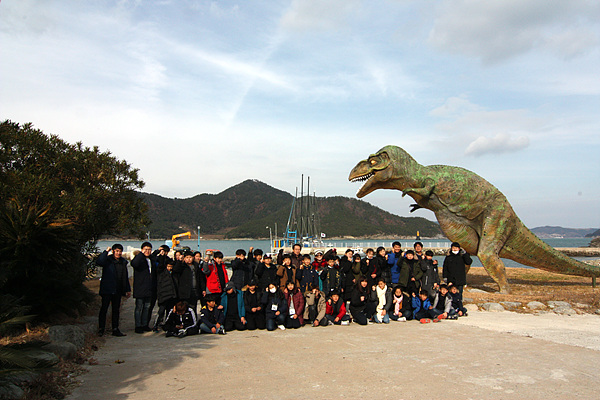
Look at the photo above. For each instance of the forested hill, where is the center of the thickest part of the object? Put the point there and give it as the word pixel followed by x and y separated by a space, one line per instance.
pixel 246 209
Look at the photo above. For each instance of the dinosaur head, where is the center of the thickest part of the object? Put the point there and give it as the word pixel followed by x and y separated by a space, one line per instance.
pixel 387 169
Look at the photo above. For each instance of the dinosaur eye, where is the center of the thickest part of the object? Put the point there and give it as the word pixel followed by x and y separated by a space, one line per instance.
pixel 373 162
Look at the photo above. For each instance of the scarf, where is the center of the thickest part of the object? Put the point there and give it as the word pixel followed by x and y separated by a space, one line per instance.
pixel 381 300
pixel 398 304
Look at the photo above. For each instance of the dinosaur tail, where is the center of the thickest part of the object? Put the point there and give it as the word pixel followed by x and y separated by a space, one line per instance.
pixel 526 248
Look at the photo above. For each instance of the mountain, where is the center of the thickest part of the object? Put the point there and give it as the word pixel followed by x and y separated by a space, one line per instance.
pixel 546 232
pixel 593 234
pixel 248 208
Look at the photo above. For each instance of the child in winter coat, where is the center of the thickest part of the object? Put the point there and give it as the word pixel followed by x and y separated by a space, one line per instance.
pixel 212 317
pixel 457 304
pixel 442 303
pixel 422 308
pixel 352 273
pixel 232 302
pixel 181 321
pixel 430 279
pixel 307 275
pixel 266 273
pixel 295 303
pixel 410 273
pixel 255 313
pixel 382 296
pixel 314 306
pixel 276 308
pixel 361 306
pixel 331 277
pixel 166 291
pixel 335 311
pixel 401 308
pixel 383 266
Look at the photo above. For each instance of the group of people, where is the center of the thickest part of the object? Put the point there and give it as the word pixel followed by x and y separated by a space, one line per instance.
pixel 291 291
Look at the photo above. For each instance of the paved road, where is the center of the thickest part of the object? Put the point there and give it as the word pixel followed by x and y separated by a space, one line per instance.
pixel 450 359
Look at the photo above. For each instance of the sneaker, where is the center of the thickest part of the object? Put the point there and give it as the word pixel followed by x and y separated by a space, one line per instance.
pixel 466 314
pixel 402 319
pixel 329 323
pixel 424 320
pixel 118 333
pixel 155 329
pixel 436 320
pixel 441 316
pixel 345 322
pixel 100 332
pixel 221 331
pixel 281 327
pixel 455 316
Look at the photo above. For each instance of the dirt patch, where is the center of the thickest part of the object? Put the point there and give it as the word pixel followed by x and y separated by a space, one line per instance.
pixel 535 285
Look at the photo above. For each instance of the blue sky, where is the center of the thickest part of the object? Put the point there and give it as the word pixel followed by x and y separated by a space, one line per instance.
pixel 201 95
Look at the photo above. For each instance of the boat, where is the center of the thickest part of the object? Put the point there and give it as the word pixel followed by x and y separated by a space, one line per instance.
pixel 303 225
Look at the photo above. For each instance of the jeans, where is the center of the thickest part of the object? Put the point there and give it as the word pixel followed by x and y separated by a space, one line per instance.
pixel 204 328
pixel 142 311
pixel 273 322
pixel 385 319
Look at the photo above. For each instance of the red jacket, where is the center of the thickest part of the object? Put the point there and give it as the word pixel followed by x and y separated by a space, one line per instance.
pixel 329 309
pixel 212 278
pixel 298 299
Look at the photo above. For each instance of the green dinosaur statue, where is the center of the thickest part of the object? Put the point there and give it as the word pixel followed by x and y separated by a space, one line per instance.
pixel 470 211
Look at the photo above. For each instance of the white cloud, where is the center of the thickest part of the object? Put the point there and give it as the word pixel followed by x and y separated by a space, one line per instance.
pixel 318 15
pixel 454 106
pixel 501 143
pixel 495 30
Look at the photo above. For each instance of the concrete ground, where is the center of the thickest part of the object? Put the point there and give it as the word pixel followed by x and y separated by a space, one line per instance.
pixel 483 356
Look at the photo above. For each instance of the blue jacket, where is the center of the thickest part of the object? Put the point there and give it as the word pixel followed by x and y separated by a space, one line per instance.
pixel 395 268
pixel 240 303
pixel 419 305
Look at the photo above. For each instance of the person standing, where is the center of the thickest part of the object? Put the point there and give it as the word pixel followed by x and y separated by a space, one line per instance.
pixel 144 287
pixel 455 267
pixel 216 275
pixel 113 285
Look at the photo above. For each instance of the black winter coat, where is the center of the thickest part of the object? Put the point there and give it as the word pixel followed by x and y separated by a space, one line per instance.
pixel 266 276
pixel 242 272
pixel 115 279
pixel 384 269
pixel 144 277
pixel 454 268
pixel 184 279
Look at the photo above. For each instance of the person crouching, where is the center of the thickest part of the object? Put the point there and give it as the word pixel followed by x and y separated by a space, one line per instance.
pixel 181 321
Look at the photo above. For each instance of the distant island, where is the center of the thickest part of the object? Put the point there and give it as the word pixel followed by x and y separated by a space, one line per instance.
pixel 548 232
pixel 248 208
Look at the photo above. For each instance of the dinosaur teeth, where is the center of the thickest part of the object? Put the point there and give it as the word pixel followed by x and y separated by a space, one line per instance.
pixel 362 178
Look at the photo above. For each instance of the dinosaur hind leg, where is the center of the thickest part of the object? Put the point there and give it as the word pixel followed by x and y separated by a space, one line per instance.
pixel 494 267
pixel 495 233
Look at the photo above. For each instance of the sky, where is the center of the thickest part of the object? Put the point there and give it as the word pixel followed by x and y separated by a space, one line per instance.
pixel 202 95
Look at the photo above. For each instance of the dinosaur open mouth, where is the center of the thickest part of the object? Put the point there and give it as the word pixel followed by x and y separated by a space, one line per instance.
pixel 363 178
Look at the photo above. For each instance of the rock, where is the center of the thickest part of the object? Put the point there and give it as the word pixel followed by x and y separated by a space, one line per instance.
pixel 511 304
pixel 473 290
pixel 471 307
pixel 564 310
pixel 11 392
pixel 89 324
pixel 64 350
pixel 598 311
pixel 67 333
pixel 581 305
pixel 467 300
pixel 553 304
pixel 536 305
pixel 492 307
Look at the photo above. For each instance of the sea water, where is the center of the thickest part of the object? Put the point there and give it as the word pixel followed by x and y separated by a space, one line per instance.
pixel 229 247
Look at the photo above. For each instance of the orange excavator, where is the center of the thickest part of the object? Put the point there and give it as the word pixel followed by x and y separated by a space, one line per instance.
pixel 175 239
